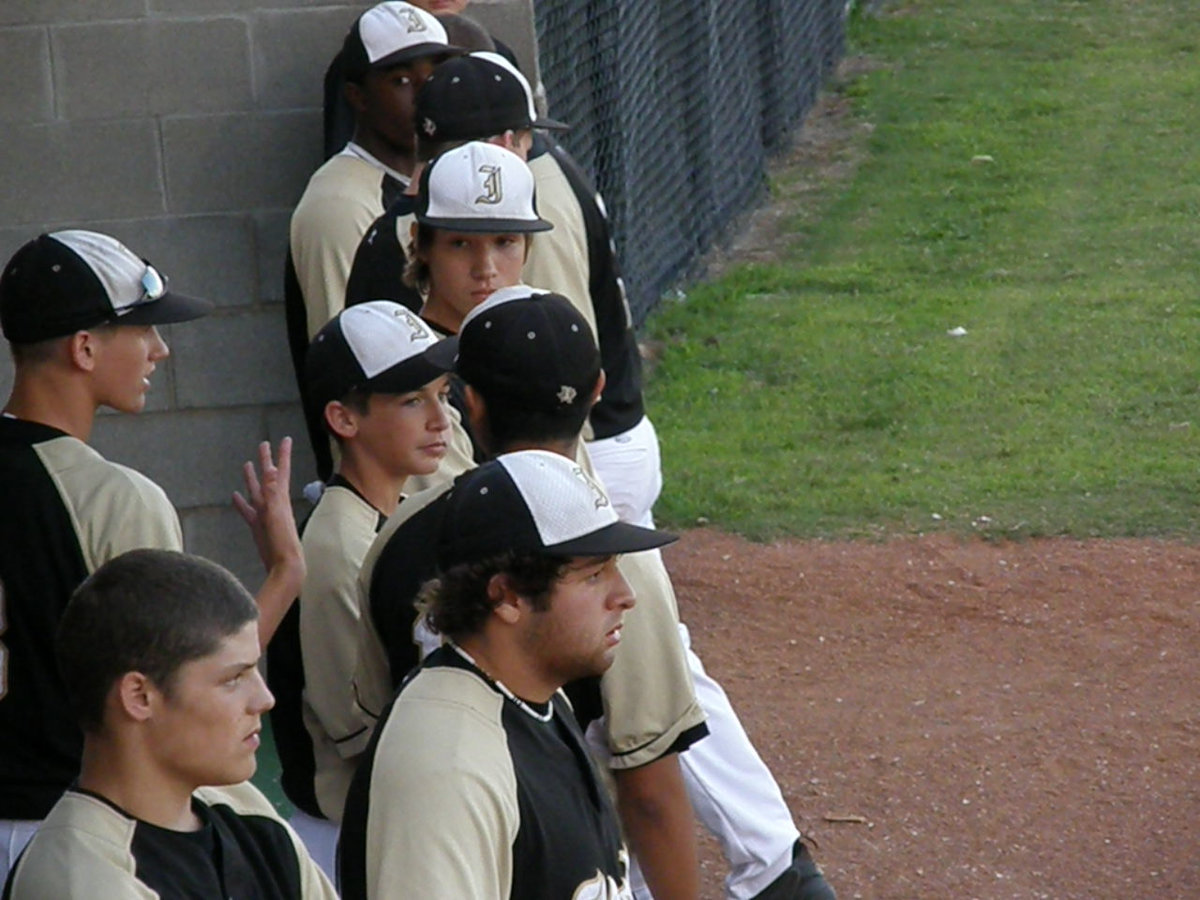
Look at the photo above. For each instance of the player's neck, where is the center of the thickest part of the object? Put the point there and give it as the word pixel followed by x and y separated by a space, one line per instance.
pixel 52 401
pixel 442 316
pixel 507 663
pixel 569 449
pixel 403 161
pixel 136 785
pixel 378 486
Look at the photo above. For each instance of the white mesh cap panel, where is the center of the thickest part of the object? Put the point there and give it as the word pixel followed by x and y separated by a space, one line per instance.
pixel 382 334
pixel 119 270
pixel 564 502
pixel 393 26
pixel 481 181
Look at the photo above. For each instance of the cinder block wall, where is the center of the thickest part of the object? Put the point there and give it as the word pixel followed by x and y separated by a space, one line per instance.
pixel 188 129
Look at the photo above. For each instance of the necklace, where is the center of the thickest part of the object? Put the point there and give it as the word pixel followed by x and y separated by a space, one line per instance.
pixel 503 688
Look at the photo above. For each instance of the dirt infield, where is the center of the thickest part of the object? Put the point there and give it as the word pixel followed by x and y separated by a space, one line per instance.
pixel 962 719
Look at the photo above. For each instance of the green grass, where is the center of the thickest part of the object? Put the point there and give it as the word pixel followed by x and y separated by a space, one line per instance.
pixel 822 396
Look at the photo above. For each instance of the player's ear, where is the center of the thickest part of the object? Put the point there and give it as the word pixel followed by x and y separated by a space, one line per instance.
pixel 341 419
pixel 477 414
pixel 506 602
pixel 135 696
pixel 601 380
pixel 353 93
pixel 81 350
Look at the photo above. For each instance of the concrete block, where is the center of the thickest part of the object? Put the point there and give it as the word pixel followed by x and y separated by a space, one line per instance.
pixel 271 238
pixel 152 67
pixel 205 256
pixel 218 533
pixel 292 49
pixel 195 456
pixel 28 12
pixel 80 171
pixel 197 7
pixel 288 421
pixel 25 73
pixel 234 359
pixel 237 162
pixel 6 373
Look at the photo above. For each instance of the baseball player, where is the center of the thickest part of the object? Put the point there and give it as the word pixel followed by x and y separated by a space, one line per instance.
pixel 532 371
pixel 379 376
pixel 158 653
pixel 79 310
pixel 478 782
pixel 387 54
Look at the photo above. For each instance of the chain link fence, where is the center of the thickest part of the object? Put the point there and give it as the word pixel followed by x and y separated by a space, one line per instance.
pixel 676 106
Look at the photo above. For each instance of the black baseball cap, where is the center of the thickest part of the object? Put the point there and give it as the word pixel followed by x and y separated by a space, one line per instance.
pixel 532 347
pixel 478 187
pixel 474 97
pixel 534 501
pixel 67 281
pixel 379 347
pixel 391 34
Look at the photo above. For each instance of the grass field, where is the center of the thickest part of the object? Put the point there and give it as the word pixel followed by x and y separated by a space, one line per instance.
pixel 1028 175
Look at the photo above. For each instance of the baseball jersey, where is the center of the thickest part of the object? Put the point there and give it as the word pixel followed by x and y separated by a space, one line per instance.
pixel 467 793
pixel 90 848
pixel 343 197
pixel 646 696
pixel 68 510
pixel 578 260
pixel 311 659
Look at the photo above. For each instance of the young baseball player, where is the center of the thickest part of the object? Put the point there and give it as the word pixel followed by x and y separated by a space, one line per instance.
pixel 378 375
pixel 478 782
pixel 543 362
pixel 387 54
pixel 158 652
pixel 79 310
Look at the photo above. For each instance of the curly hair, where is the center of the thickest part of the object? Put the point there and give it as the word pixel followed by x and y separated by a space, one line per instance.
pixel 456 604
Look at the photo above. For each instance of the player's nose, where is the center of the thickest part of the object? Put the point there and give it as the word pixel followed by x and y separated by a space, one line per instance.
pixel 158 347
pixel 620 593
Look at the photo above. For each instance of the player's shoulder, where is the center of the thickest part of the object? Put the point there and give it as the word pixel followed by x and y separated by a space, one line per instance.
pixel 340 514
pixel 459 718
pixel 339 172
pixel 82 849
pixel 100 480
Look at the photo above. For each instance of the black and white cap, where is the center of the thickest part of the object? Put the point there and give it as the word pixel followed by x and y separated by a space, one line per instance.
pixel 68 281
pixel 534 501
pixel 378 347
pixel 391 34
pixel 478 187
pixel 475 97
pixel 531 347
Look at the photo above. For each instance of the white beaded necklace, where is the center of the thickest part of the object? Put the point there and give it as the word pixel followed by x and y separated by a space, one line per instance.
pixel 503 688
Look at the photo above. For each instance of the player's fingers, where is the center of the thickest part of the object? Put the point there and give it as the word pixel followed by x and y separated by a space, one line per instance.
pixel 253 487
pixel 244 508
pixel 284 463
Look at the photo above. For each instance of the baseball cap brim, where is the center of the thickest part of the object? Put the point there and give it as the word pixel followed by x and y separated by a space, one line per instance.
pixel 416 371
pixel 417 51
pixel 548 124
pixel 166 310
pixel 485 226
pixel 619 537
